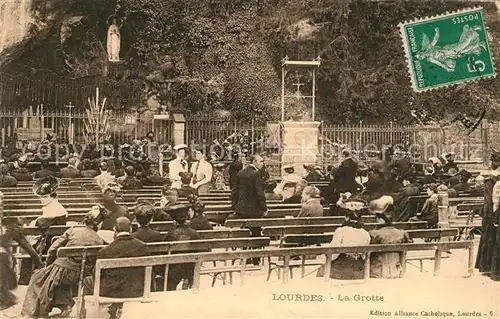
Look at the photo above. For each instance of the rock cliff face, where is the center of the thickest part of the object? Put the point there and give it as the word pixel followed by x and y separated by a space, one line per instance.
pixel 206 55
pixel 26 24
pixel 15 18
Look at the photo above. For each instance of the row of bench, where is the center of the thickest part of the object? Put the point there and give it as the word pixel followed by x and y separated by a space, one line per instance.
pixel 96 301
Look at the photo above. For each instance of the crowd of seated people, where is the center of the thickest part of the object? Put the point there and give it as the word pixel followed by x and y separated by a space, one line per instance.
pixel 54 286
pixel 385 194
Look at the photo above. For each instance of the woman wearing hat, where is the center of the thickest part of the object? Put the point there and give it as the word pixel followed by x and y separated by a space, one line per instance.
pixel 349 266
pixel 12 232
pixel 178 165
pixel 488 253
pixel 182 231
pixel 387 264
pixel 6 179
pixel 286 187
pixel 429 212
pixel 199 220
pixel 113 210
pixel 53 213
pixel 55 285
pixel 463 185
pixel 429 174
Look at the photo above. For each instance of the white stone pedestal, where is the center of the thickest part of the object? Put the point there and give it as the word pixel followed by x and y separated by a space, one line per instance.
pixel 300 144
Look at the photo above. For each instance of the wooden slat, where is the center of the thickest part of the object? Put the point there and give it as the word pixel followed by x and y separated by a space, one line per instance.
pixel 269 222
pixel 169 247
pixel 299 229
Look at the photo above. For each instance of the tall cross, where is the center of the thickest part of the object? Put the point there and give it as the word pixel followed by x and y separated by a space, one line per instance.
pixel 298 85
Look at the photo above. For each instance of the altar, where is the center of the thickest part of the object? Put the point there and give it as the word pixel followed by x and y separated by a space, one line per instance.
pixel 300 130
pixel 32 128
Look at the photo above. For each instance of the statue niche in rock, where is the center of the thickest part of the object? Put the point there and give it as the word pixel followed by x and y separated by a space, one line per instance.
pixel 113 40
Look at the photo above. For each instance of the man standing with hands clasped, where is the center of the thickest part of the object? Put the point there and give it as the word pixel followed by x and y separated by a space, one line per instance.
pixel 248 198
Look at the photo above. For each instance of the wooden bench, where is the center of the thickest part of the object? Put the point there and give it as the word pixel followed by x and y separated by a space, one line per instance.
pixel 60 229
pixel 313 239
pixel 285 253
pixel 28 190
pixel 60 195
pixel 270 222
pixel 167 248
pixel 280 231
pixel 204 235
pixel 304 240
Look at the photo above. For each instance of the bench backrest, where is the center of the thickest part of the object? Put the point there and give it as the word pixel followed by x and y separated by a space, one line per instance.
pixel 286 253
pixel 171 247
pixel 162 227
pixel 269 222
pixel 311 229
pixel 313 239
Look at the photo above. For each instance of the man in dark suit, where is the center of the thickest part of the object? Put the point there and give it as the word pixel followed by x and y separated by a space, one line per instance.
pixel 71 171
pixel 120 283
pixel 247 196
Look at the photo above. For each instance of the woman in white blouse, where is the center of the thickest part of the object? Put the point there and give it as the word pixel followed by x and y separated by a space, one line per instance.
pixel 349 266
pixel 178 165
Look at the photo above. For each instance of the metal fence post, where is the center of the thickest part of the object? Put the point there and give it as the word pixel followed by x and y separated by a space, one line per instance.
pixel 252 137
pixel 1 213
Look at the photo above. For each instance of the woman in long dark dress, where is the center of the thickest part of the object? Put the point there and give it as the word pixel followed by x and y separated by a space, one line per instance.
pixel 54 286
pixel 12 232
pixel 488 257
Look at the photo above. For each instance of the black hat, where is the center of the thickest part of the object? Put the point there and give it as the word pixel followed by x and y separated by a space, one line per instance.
pixel 465 174
pixel 178 212
pixel 45 186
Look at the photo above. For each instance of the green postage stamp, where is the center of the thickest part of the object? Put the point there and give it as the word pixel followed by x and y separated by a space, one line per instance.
pixel 447 49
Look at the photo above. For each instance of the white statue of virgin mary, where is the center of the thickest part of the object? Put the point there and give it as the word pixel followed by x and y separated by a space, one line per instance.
pixel 113 41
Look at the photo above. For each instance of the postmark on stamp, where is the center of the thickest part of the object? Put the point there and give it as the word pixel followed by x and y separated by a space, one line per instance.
pixel 447 49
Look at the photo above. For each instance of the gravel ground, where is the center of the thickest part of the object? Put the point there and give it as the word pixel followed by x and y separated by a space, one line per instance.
pixel 449 295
